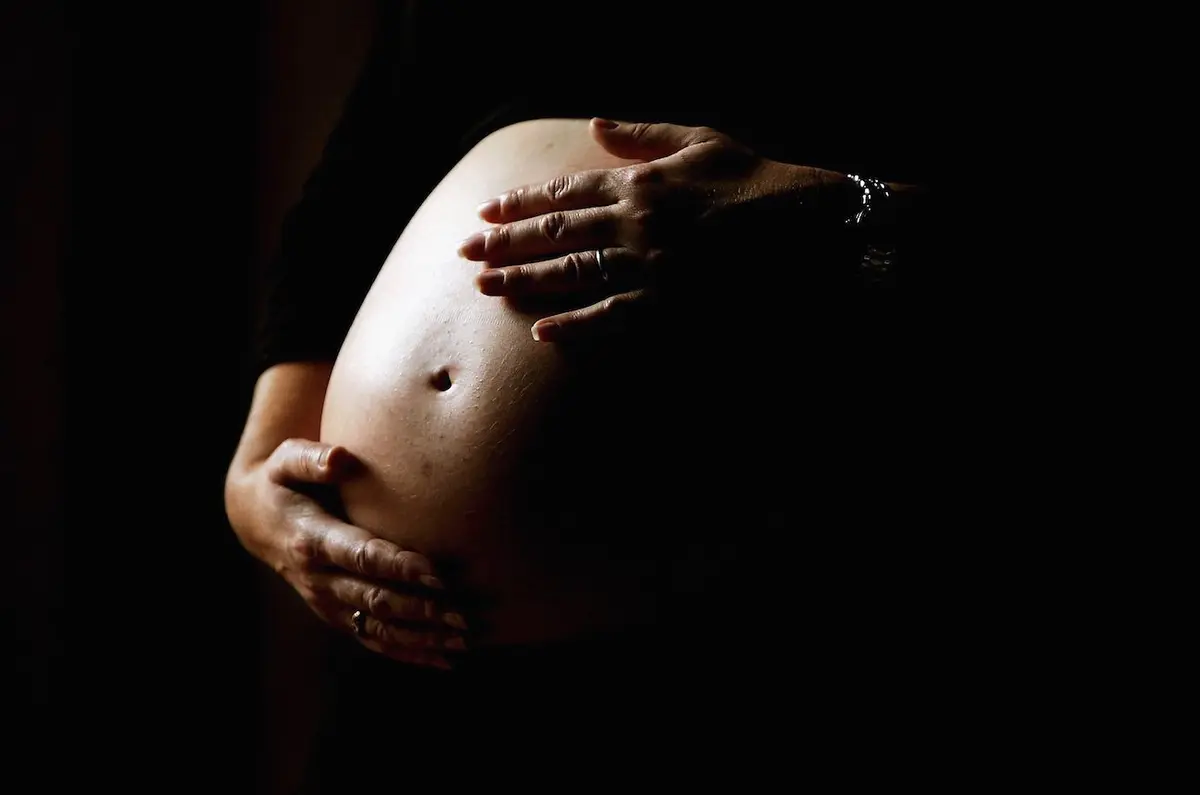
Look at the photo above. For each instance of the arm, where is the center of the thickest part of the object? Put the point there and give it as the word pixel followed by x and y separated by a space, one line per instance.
pixel 278 496
pixel 286 404
pixel 354 205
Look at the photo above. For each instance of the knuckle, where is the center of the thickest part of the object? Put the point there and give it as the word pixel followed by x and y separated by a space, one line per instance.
pixel 639 217
pixel 361 557
pixel 370 557
pixel 304 549
pixel 641 130
pixel 375 599
pixel 572 267
pixel 558 188
pixel 310 459
pixel 611 307
pixel 552 226
pixel 517 276
pixel 498 238
pixel 303 453
pixel 641 176
pixel 407 565
pixel 512 202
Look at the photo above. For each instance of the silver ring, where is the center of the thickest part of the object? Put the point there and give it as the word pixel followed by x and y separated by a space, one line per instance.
pixel 600 264
pixel 358 623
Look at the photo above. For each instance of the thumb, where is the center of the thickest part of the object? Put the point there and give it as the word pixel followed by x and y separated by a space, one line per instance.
pixel 643 140
pixel 306 461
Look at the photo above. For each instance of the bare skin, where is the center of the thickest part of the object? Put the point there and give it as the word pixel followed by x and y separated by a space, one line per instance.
pixel 490 452
pixel 469 431
pixel 543 484
pixel 279 493
pixel 483 449
pixel 642 229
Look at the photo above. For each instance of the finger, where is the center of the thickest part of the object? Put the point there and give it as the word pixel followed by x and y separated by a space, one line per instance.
pixel 385 634
pixel 613 315
pixel 566 192
pixel 357 551
pixel 383 603
pixel 556 232
pixel 306 461
pixel 580 270
pixel 647 141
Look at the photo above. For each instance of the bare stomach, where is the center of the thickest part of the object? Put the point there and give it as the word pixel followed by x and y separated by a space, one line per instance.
pixel 526 471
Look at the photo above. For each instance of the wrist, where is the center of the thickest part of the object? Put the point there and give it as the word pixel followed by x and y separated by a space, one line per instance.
pixel 818 194
pixel 240 492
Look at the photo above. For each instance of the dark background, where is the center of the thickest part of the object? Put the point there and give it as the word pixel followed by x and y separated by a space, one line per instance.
pixel 146 158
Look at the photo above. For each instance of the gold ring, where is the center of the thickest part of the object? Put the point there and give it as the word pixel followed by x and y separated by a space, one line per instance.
pixel 358 623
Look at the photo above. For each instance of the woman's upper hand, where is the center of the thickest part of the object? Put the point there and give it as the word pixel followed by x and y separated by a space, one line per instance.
pixel 620 235
pixel 336 567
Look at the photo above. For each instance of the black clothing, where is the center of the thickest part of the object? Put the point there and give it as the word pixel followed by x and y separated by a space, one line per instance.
pixel 826 94
pixel 831 618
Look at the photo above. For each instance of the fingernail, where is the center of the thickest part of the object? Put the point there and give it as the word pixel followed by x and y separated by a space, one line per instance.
pixel 323 459
pixel 457 644
pixel 488 208
pixel 472 247
pixel 544 332
pixel 490 282
pixel 455 620
pixel 429 581
pixel 607 124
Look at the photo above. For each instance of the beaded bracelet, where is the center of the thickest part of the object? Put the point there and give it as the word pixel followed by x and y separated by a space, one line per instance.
pixel 876 265
pixel 874 193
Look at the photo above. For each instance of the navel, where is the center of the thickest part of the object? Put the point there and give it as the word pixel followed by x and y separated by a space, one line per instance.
pixel 440 379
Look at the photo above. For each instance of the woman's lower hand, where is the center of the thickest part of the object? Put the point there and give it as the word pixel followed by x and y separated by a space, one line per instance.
pixel 390 598
pixel 622 236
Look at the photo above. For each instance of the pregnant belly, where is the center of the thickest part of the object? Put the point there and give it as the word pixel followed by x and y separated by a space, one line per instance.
pixel 527 471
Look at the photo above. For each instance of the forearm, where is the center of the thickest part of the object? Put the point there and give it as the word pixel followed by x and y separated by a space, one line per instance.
pixel 287 404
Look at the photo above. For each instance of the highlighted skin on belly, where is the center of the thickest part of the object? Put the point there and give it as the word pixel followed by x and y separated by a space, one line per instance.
pixel 483 447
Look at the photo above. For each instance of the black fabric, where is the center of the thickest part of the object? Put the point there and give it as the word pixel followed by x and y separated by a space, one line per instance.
pixel 438 80
pixel 832 610
pixel 836 677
